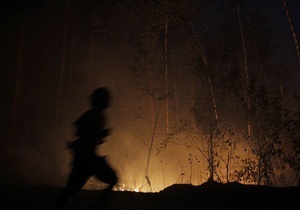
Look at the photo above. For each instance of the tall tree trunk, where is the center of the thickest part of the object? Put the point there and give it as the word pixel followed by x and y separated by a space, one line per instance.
pixel 291 23
pixel 192 88
pixel 91 54
pixel 18 84
pixel 63 62
pixel 193 101
pixel 70 83
pixel 175 85
pixel 246 70
pixel 214 105
pixel 166 74
pixel 155 124
pixel 40 109
pixel 90 73
pixel 282 95
pixel 233 104
pixel 155 114
pixel 213 100
pixel 211 152
pixel 258 58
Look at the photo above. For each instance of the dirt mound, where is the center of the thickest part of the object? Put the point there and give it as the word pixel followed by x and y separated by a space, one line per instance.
pixel 179 196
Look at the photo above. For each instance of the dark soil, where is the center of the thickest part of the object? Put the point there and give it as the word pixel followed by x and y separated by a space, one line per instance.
pixel 206 196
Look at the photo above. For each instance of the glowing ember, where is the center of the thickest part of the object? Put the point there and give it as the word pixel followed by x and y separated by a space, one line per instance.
pixel 123 187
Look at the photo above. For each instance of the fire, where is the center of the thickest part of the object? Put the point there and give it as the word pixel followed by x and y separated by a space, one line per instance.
pixel 94 184
pixel 123 187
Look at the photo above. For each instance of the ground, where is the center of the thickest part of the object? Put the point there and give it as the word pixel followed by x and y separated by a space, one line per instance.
pixel 179 196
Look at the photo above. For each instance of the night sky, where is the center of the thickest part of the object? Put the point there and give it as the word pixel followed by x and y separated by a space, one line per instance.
pixel 49 66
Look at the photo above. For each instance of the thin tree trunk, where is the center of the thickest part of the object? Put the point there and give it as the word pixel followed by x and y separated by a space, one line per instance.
pixel 70 85
pixel 234 104
pixel 175 90
pixel 192 88
pixel 258 58
pixel 211 152
pixel 259 168
pixel 155 123
pixel 155 112
pixel 215 110
pixel 282 94
pixel 166 74
pixel 191 170
pixel 42 87
pixel 216 116
pixel 213 100
pixel 90 73
pixel 204 60
pixel 63 61
pixel 227 169
pixel 246 69
pixel 291 23
pixel 18 84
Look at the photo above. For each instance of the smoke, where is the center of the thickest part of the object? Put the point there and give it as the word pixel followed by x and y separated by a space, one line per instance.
pixel 33 144
pixel 37 154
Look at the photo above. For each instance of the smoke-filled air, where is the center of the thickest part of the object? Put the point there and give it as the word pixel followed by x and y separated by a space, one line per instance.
pixel 200 90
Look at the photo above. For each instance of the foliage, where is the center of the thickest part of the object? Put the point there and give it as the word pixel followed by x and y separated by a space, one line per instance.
pixel 270 155
pixel 272 147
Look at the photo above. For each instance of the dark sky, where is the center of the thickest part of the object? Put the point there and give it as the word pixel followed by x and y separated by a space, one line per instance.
pixel 277 22
pixel 276 15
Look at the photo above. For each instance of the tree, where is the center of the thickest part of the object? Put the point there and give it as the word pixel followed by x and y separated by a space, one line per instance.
pixel 63 60
pixel 274 162
pixel 291 23
pixel 154 24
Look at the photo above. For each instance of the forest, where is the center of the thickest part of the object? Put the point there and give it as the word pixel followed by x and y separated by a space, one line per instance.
pixel 202 89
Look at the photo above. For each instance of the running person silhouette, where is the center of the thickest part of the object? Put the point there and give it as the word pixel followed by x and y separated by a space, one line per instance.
pixel 90 131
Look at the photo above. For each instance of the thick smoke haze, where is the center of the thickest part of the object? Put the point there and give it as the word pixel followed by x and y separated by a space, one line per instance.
pixel 55 53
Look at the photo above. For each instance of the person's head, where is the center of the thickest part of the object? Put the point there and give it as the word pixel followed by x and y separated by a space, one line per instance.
pixel 100 98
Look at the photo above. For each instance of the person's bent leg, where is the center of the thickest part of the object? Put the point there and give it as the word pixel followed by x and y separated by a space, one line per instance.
pixel 105 173
pixel 76 181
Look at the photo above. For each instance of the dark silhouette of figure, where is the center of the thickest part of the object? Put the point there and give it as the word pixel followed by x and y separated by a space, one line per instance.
pixel 90 131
